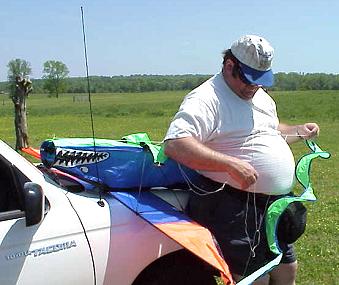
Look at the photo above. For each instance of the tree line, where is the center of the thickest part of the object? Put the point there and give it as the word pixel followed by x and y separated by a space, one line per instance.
pixel 55 80
pixel 145 83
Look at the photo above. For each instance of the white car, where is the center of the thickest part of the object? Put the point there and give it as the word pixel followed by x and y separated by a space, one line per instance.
pixel 51 235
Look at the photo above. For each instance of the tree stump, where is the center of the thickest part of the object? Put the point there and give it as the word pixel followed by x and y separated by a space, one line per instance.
pixel 22 89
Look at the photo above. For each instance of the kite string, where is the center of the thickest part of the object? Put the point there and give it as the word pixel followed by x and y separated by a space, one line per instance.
pixel 193 187
pixel 258 221
pixel 141 181
pixel 303 137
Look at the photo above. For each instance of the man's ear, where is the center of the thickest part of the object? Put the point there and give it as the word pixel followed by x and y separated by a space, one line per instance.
pixel 229 67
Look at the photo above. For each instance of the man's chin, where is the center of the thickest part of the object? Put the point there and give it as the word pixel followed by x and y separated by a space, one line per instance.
pixel 247 96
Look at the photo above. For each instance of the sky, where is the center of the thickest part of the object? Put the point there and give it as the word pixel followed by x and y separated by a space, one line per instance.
pixel 166 36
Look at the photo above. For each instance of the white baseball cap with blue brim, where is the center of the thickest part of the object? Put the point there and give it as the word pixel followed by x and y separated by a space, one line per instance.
pixel 255 55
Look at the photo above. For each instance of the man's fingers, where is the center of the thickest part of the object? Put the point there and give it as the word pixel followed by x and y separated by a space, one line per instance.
pixel 249 180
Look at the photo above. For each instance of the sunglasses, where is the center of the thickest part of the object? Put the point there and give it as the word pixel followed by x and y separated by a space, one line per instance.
pixel 242 77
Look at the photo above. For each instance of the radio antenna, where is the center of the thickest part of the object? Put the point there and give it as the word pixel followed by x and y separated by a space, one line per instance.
pixel 100 202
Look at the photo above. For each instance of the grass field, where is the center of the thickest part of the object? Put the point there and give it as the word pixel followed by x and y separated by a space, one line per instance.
pixel 116 115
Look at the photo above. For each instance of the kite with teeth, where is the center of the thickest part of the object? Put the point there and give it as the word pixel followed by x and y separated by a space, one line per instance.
pixel 72 158
pixel 117 164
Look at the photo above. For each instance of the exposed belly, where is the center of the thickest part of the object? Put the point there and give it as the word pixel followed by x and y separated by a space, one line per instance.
pixel 271 157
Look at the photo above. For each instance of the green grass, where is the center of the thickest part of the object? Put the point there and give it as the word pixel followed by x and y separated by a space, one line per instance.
pixel 116 115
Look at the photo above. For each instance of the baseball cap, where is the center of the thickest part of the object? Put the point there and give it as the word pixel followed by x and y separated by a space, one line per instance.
pixel 255 55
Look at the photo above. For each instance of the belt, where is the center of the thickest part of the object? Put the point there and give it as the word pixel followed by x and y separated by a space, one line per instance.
pixel 210 185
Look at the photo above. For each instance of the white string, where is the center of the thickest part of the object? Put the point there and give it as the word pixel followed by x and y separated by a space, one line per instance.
pixel 258 222
pixel 195 187
pixel 141 178
pixel 151 141
pixel 252 251
pixel 254 245
pixel 285 136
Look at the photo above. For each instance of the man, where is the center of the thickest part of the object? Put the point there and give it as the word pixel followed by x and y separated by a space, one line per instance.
pixel 228 130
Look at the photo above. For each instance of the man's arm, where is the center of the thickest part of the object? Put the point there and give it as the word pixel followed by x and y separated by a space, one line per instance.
pixel 190 152
pixel 294 133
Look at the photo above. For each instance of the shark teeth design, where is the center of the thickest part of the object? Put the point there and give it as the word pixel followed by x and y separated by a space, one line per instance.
pixel 71 157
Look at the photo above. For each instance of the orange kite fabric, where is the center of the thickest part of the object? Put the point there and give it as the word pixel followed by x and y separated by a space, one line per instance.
pixel 31 151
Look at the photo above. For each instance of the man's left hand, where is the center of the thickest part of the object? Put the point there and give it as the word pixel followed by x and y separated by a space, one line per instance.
pixel 308 131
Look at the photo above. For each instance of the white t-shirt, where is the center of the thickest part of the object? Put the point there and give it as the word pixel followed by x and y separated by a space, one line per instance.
pixel 213 114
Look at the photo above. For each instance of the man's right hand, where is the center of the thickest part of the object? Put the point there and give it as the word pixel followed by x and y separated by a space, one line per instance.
pixel 242 172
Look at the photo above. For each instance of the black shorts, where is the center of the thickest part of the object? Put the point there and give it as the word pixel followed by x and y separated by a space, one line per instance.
pixel 224 214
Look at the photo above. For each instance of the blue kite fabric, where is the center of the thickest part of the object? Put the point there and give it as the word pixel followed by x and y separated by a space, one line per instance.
pixel 115 164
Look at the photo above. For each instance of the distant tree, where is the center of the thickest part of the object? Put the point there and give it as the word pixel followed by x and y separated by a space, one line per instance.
pixel 55 73
pixel 20 87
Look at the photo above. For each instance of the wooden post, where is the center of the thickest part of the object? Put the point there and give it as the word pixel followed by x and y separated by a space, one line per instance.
pixel 22 89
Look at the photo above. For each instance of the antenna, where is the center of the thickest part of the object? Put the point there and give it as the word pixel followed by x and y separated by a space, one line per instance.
pixel 100 202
